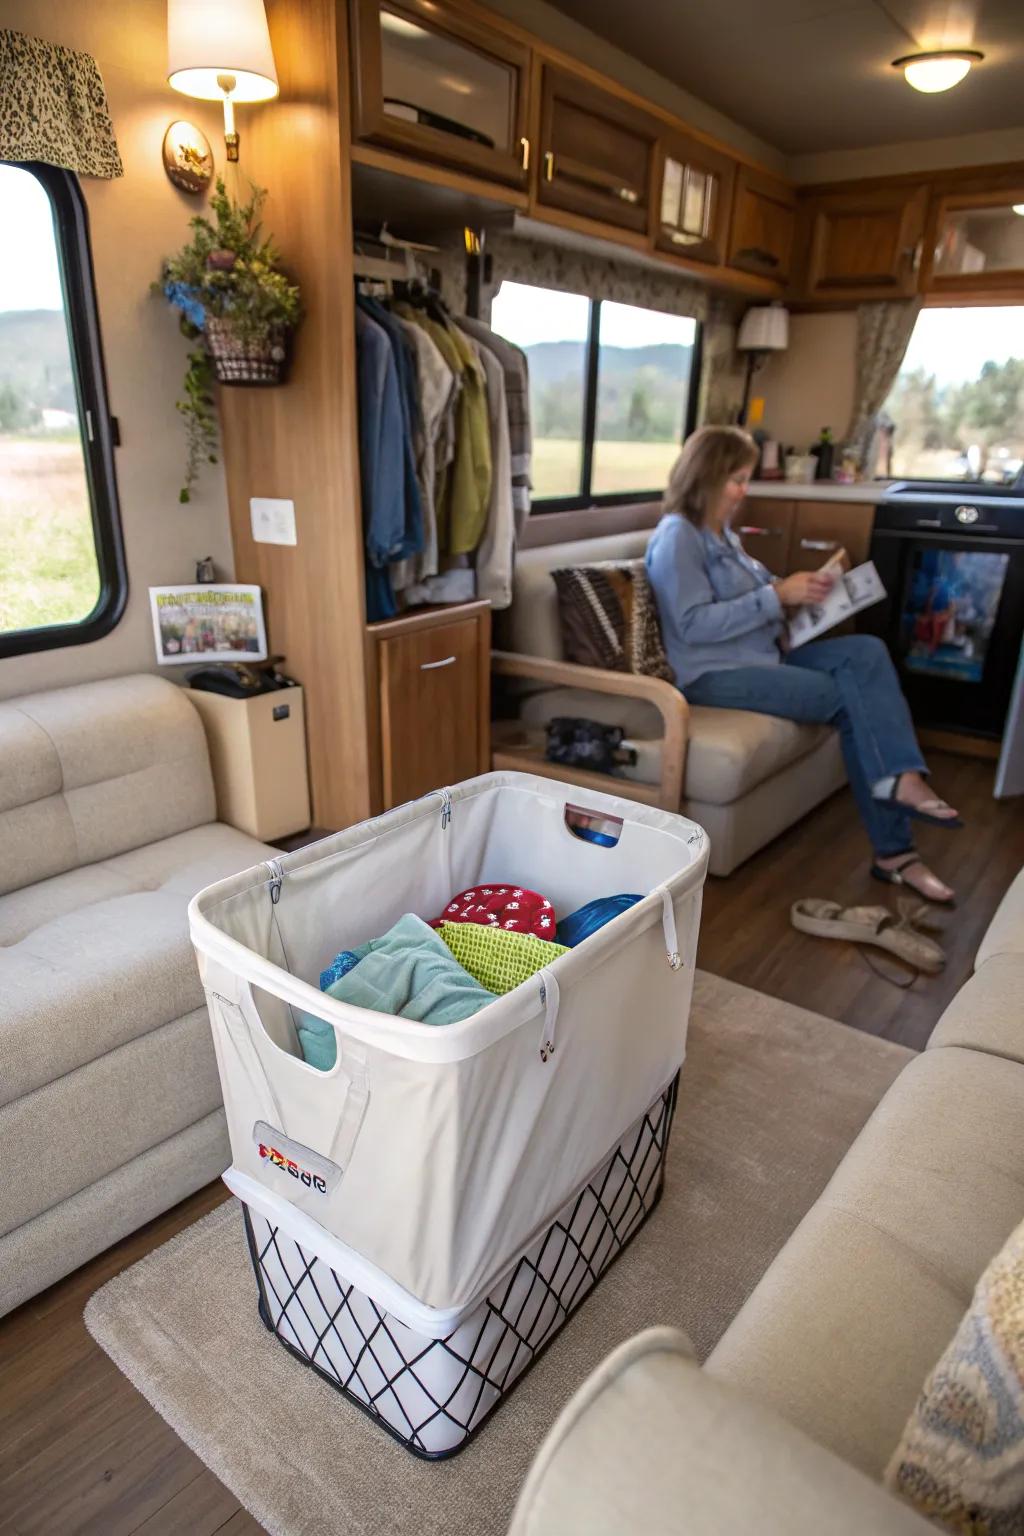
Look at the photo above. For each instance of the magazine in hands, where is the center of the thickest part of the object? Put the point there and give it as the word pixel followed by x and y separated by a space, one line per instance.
pixel 851 591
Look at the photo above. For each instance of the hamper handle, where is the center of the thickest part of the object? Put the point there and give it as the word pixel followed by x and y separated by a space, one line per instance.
pixel 597 836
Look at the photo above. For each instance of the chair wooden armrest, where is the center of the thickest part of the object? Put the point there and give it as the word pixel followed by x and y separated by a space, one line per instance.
pixel 664 696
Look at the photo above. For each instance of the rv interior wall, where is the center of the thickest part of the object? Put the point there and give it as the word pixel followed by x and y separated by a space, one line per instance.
pixel 134 222
pixel 811 384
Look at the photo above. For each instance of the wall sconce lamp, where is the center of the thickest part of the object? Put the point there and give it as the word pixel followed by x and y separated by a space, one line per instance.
pixel 219 50
pixel 763 329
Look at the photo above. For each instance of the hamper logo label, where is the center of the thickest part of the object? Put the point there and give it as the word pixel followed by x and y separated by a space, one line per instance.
pixel 301 1163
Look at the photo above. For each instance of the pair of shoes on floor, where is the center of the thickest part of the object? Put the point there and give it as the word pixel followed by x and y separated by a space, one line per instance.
pixel 875 926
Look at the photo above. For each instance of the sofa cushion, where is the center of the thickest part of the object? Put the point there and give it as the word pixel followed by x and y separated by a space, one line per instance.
pixel 82 1126
pixel 851 1316
pixel 729 751
pixel 531 624
pixel 100 956
pixel 987 1014
pixel 1005 933
pixel 91 771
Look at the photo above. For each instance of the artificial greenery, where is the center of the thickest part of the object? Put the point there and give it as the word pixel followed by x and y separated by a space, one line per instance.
pixel 227 271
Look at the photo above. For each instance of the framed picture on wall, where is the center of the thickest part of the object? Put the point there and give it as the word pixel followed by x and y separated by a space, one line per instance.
pixel 208 621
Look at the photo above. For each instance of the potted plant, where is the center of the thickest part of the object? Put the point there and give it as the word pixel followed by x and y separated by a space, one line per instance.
pixel 233 298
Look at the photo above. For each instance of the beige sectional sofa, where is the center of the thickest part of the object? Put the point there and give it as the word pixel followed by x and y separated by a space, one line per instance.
pixel 791 1423
pixel 744 777
pixel 110 1105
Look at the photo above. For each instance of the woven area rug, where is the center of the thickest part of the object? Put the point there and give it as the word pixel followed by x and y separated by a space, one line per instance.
pixel 770 1099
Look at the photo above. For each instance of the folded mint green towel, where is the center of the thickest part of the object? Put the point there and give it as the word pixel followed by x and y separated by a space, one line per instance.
pixel 409 972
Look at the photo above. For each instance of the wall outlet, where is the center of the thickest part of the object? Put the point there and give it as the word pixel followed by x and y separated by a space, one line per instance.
pixel 273 520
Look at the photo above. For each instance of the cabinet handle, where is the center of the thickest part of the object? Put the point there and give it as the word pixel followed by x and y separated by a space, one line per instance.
pixel 763 533
pixel 756 253
pixel 429 666
pixel 524 153
pixel 549 165
pixel 819 544
pixel 628 195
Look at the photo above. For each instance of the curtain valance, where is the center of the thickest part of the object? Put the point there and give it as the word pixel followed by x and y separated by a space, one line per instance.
pixel 523 259
pixel 53 107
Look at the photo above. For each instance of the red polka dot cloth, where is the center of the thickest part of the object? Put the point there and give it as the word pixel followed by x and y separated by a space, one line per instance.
pixel 502 906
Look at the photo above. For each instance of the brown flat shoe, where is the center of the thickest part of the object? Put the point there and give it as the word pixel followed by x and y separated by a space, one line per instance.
pixel 923 883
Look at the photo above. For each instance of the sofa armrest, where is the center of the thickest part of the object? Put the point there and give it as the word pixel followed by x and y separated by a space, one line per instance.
pixel 675 712
pixel 650 1443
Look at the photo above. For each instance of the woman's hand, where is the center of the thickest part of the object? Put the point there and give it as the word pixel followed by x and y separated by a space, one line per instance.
pixel 804 587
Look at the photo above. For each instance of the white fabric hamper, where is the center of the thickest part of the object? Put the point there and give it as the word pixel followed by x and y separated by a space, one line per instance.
pixel 426 1166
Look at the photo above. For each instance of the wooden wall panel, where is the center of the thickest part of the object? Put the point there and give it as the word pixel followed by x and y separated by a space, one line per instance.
pixel 300 441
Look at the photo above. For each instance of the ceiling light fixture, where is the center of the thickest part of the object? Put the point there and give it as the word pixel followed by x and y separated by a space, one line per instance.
pixel 938 71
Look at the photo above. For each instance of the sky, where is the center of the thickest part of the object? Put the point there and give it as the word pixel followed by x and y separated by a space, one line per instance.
pixel 953 344
pixel 29 275
pixel 529 315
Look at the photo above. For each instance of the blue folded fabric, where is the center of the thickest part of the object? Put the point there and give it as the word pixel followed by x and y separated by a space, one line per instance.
pixel 409 972
pixel 579 925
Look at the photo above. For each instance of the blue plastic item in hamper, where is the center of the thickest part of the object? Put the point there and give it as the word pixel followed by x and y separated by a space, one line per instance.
pixel 579 925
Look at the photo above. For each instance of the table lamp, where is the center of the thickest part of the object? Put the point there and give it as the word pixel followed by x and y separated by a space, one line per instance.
pixel 219 50
pixel 763 329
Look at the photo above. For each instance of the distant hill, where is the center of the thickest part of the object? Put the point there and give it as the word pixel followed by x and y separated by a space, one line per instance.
pixel 641 392
pixel 35 364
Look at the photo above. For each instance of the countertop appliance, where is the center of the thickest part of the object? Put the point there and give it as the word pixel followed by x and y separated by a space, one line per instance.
pixel 951 557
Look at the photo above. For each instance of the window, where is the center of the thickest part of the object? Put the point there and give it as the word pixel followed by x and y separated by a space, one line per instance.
pixel 612 392
pixel 62 576
pixel 958 402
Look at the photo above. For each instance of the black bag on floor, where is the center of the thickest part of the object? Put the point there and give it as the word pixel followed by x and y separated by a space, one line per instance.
pixel 580 743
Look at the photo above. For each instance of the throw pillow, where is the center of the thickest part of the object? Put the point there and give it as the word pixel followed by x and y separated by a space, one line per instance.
pixel 609 618
pixel 961 1458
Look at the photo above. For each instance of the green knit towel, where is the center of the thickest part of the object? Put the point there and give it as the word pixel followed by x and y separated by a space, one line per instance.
pixel 496 957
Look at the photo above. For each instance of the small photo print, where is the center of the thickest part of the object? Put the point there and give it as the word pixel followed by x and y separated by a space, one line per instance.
pixel 219 622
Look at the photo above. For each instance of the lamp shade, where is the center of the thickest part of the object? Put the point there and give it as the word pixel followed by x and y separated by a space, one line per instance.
pixel 765 328
pixel 207 38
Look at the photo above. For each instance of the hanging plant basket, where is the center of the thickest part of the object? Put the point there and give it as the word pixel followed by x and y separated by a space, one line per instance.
pixel 239 359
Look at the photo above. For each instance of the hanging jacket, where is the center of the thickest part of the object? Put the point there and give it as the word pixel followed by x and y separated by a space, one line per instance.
pixel 495 554
pixel 517 394
pixel 385 462
pixel 436 385
pixel 409 401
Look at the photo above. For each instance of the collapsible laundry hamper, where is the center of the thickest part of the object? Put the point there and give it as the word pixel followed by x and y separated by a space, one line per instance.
pixel 425 1215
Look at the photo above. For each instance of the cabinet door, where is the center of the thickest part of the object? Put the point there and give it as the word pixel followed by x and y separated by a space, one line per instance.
pixel 863 244
pixel 766 527
pixel 761 235
pixel 434 709
pixel 976 244
pixel 596 152
pixel 694 199
pixel 432 83
pixel 821 528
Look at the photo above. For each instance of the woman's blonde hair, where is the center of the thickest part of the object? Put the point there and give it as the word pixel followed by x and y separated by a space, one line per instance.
pixel 710 455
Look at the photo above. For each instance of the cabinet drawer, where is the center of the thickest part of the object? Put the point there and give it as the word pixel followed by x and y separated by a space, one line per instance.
pixel 433 709
pixel 820 528
pixel 766 528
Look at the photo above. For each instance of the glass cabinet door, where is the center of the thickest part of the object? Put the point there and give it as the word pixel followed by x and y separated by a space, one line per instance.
pixel 979 241
pixel 695 199
pixel 432 83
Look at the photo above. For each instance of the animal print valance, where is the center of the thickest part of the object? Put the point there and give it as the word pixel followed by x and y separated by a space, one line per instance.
pixel 53 107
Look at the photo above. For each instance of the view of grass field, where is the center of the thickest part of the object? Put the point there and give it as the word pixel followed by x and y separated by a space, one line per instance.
pixel 48 570
pixel 618 466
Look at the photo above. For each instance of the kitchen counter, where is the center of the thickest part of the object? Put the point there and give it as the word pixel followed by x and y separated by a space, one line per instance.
pixel 866 493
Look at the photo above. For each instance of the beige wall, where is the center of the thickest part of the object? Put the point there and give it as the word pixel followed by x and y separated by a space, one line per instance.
pixel 134 222
pixel 964 149
pixel 810 385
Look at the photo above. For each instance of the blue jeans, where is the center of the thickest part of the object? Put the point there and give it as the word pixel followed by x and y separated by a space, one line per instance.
pixel 851 683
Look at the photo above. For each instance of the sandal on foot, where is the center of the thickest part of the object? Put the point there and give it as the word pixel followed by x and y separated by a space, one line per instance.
pixel 900 875
pixel 869 925
pixel 926 811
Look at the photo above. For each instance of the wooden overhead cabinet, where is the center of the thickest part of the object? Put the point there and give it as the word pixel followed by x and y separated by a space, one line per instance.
pixel 763 218
pixel 975 243
pixel 436 85
pixel 596 152
pixel 863 243
pixel 695 198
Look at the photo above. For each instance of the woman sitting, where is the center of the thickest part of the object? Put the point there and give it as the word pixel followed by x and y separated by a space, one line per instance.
pixel 723 621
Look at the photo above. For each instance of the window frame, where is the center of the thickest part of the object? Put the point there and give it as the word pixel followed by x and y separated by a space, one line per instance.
pixel 98 427
pixel 584 499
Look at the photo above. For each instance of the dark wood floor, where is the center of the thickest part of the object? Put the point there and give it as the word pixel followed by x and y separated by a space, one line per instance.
pixel 82 1452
